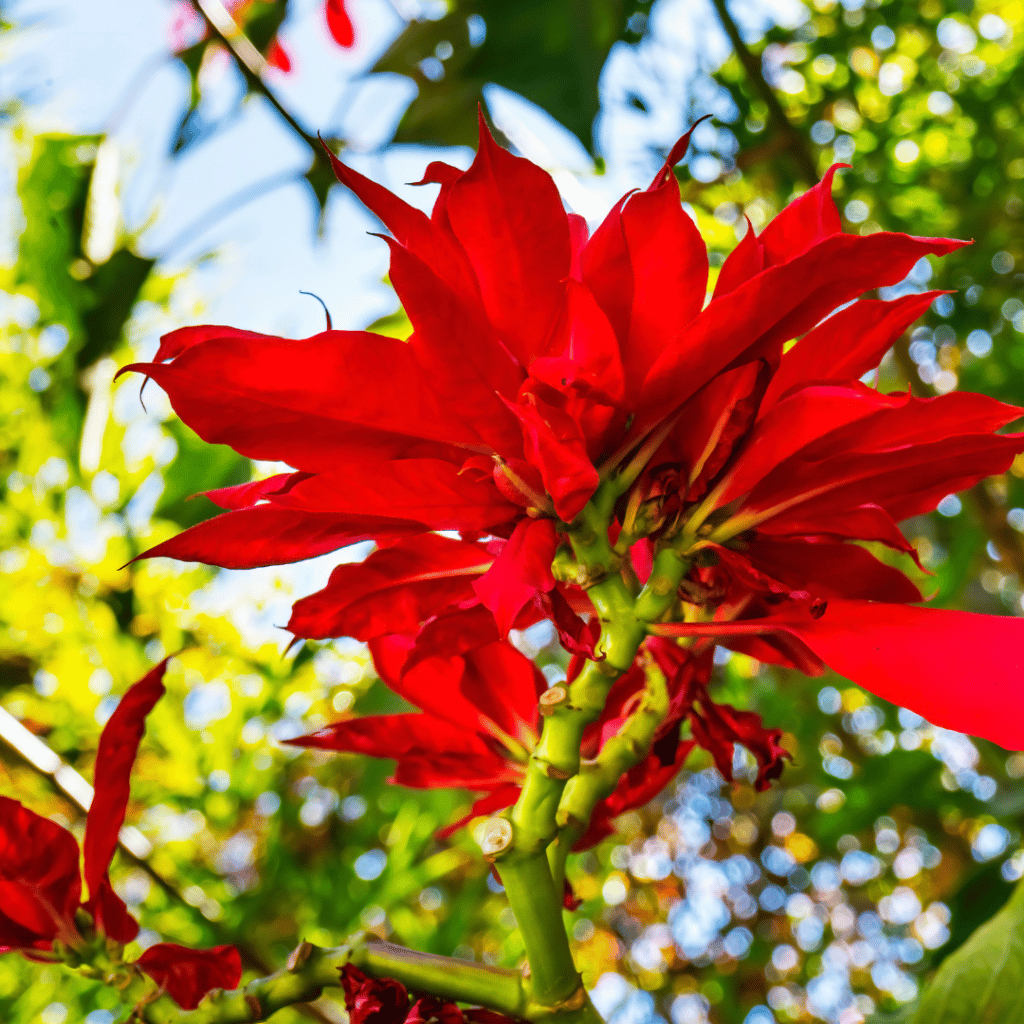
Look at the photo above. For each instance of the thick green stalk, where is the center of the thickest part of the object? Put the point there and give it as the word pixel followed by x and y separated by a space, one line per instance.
pixel 311 969
pixel 598 778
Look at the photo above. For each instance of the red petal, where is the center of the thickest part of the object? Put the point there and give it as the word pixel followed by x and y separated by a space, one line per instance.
pixel 776 305
pixel 40 885
pixel 847 345
pixel 828 569
pixel 456 631
pixel 606 271
pixel 588 359
pixel 244 495
pixel 279 399
pixel 267 535
pixel 492 690
pixel 509 218
pixel 804 417
pixel 719 726
pixel 555 444
pixel 188 974
pixel 339 24
pixel 958 670
pixel 436 494
pixel 184 338
pixel 454 344
pixel 906 482
pixel 119 744
pixel 675 154
pixel 743 263
pixel 521 570
pixel 670 272
pixel 395 590
pixel 865 522
pixel 373 1000
pixel 804 222
pixel 579 233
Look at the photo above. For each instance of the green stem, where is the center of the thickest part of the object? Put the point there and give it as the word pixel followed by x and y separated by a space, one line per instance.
pixel 312 969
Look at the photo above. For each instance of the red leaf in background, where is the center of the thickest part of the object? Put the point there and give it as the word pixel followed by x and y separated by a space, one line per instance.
pixel 339 24
pixel 522 570
pixel 188 974
pixel 277 57
pixel 119 745
pixel 40 884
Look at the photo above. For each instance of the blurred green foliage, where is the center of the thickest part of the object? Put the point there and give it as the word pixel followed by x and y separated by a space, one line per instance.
pixel 886 843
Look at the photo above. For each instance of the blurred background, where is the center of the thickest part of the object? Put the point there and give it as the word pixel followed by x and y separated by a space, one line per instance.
pixel 158 167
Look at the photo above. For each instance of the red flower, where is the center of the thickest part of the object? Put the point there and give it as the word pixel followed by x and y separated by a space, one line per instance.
pixel 40 883
pixel 544 360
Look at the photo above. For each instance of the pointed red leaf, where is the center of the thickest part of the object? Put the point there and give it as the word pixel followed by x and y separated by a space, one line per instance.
pixel 510 220
pixel 437 494
pixel 555 444
pixel 846 345
pixel 267 535
pixel 776 305
pixel 670 273
pixel 587 356
pixel 606 271
pixel 278 399
pixel 119 744
pixel 522 570
pixel 188 974
pixel 395 590
pixel 958 670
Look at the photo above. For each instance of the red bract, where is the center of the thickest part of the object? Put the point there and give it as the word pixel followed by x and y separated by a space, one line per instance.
pixel 339 24
pixel 479 722
pixel 544 360
pixel 40 883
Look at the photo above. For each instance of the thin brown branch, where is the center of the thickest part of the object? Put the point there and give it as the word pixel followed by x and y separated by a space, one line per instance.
pixel 797 145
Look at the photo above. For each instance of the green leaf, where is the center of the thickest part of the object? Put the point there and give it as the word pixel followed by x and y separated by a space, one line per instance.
pixel 549 52
pixel 983 982
pixel 197 467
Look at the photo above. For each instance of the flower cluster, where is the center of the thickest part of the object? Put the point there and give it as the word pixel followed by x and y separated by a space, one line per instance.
pixel 564 391
pixel 42 913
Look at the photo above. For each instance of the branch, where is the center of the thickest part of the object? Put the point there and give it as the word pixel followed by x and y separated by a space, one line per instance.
pixel 250 62
pixel 312 968
pixel 752 65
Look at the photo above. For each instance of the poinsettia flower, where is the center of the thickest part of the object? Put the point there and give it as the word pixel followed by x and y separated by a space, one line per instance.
pixel 541 357
pixel 40 880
